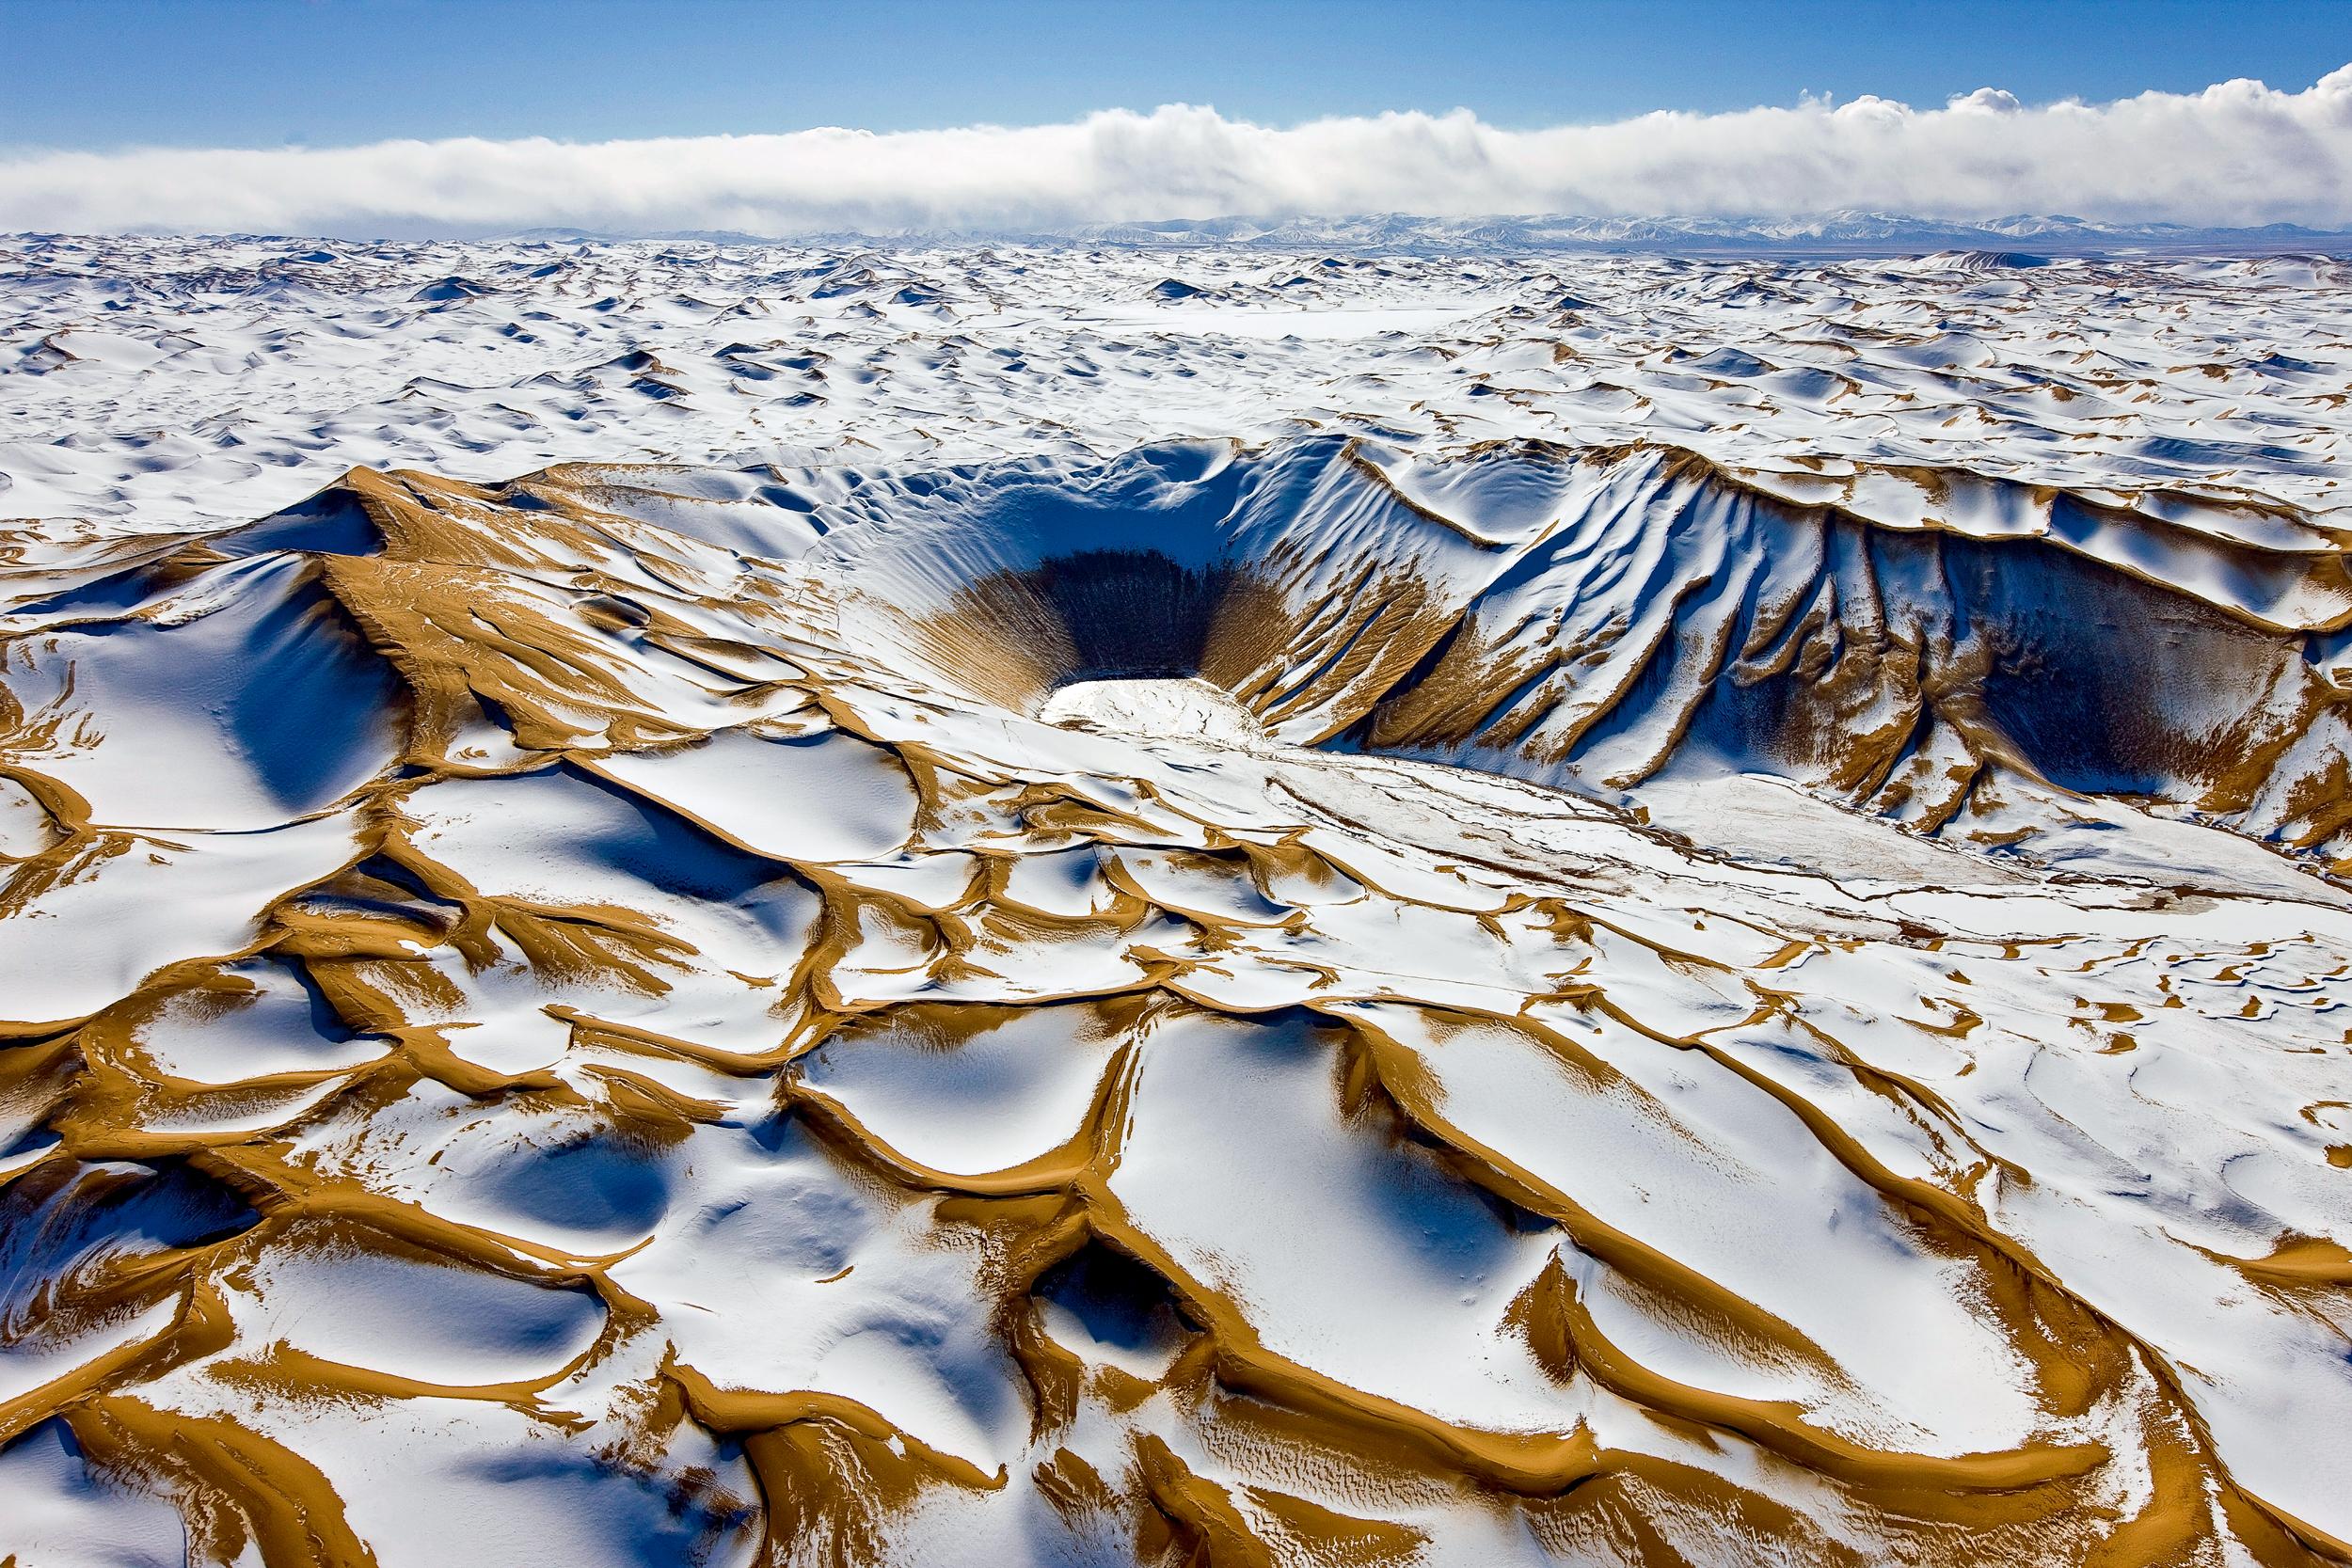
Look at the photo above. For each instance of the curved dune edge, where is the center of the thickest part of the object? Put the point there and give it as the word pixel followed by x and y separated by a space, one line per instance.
pixel 1435 1168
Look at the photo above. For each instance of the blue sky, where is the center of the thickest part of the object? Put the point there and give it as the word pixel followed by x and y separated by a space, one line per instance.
pixel 112 74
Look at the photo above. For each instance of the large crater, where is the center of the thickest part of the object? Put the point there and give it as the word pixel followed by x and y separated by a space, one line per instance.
pixel 1606 618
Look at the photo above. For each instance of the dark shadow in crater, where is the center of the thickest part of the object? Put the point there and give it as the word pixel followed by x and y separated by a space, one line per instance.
pixel 1109 614
pixel 1132 614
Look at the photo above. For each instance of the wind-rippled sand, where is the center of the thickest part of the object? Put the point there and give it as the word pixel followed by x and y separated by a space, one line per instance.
pixel 1031 906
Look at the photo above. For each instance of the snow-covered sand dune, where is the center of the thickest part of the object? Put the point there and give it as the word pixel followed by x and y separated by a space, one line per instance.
pixel 1078 908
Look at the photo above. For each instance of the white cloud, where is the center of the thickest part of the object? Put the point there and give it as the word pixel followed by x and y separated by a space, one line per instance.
pixel 2238 152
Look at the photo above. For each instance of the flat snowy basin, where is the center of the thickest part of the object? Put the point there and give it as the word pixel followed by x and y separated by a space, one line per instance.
pixel 1188 708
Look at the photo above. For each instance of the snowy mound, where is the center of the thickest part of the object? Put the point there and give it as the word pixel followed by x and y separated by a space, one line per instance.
pixel 1328 997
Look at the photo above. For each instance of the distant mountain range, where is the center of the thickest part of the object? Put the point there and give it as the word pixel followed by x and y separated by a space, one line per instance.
pixel 1844 232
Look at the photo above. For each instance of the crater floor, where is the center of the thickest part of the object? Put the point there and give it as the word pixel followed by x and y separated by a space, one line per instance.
pixel 1600 911
pixel 1180 708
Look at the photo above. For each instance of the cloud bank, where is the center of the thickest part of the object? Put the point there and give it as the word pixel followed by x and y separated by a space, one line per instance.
pixel 2237 153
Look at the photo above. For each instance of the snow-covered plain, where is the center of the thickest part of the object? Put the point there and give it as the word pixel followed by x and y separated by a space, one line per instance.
pixel 1061 906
